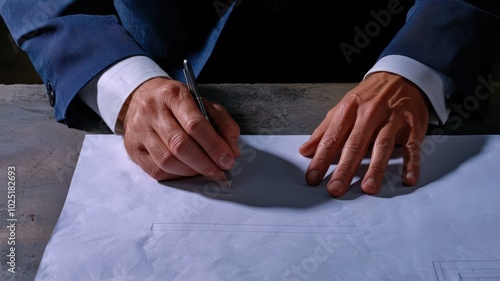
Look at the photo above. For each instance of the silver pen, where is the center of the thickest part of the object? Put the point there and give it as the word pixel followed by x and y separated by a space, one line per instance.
pixel 195 91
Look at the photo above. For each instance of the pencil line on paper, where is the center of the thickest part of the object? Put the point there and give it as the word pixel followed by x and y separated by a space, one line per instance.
pixel 253 228
pixel 468 269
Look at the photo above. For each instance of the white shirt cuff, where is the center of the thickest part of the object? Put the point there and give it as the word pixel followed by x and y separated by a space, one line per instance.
pixel 118 82
pixel 436 85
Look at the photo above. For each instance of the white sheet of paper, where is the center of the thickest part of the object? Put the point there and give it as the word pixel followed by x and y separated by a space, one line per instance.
pixel 119 224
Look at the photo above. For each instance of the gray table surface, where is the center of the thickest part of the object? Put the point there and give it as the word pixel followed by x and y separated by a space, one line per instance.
pixel 44 152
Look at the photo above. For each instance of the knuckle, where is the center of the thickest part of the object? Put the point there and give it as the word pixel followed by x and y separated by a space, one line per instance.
pixel 413 147
pixel 148 104
pixel 346 108
pixel 351 98
pixel 133 149
pixel 412 154
pixel 169 94
pixel 356 143
pixel 330 142
pixel 178 144
pixel 165 159
pixel 194 124
pixel 385 143
pixel 157 173
pixel 169 88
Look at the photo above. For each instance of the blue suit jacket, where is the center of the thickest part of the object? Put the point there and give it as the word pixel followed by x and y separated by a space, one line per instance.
pixel 71 41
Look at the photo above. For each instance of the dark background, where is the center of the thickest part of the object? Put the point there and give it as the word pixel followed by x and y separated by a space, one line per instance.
pixel 15 66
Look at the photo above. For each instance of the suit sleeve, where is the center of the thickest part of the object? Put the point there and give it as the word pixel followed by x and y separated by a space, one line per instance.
pixel 458 38
pixel 68 42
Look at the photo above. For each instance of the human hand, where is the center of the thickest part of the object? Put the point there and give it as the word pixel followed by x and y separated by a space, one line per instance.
pixel 167 136
pixel 385 109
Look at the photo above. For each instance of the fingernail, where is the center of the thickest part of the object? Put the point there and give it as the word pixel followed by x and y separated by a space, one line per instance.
pixel 336 188
pixel 304 146
pixel 226 161
pixel 314 177
pixel 410 178
pixel 371 183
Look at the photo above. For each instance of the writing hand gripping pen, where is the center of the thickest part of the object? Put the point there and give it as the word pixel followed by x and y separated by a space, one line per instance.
pixel 195 91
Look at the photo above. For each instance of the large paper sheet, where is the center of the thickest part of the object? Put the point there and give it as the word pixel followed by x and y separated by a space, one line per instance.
pixel 119 224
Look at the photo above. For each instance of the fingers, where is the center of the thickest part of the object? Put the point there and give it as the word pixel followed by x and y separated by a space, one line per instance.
pixel 329 142
pixel 355 149
pixel 166 134
pixel 148 151
pixel 158 163
pixel 225 126
pixel 381 154
pixel 308 148
pixel 411 163
pixel 411 155
pixel 385 141
pixel 384 109
pixel 197 132
pixel 166 160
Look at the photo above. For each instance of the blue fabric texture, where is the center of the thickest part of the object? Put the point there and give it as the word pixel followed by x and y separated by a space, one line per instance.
pixel 452 36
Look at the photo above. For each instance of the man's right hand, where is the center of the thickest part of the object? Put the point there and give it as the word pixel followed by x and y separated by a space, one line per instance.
pixel 168 137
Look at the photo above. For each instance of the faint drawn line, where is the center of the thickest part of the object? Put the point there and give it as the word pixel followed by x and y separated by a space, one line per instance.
pixel 254 228
pixel 467 270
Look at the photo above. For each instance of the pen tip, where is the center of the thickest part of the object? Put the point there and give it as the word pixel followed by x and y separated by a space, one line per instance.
pixel 229 179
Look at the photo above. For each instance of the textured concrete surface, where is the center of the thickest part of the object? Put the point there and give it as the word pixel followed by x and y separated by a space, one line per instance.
pixel 277 108
pixel 44 154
